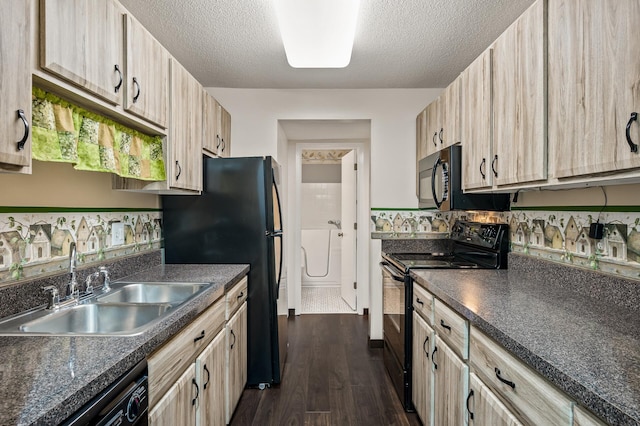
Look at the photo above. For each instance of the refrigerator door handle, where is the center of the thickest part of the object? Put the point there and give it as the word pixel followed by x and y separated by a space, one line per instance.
pixel 273 234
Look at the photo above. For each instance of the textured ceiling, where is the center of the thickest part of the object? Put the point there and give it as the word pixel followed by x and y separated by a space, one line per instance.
pixel 399 43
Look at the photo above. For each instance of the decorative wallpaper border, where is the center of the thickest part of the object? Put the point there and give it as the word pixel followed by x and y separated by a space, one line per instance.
pixel 34 243
pixel 557 235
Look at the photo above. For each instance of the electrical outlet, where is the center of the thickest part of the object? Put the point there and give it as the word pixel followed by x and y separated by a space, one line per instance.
pixel 600 245
pixel 117 234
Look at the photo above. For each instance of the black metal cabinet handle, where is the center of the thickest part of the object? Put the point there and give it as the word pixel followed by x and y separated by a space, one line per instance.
pixel 240 295
pixel 219 141
pixel 419 302
pixel 505 381
pixel 224 145
pixel 469 409
pixel 200 337
pixel 633 146
pixel 493 163
pixel 119 85
pixel 484 163
pixel 234 339
pixel 137 95
pixel 193 401
pixel 179 169
pixel 433 357
pixel 444 325
pixel 440 136
pixel 22 141
pixel 433 139
pixel 209 377
pixel 424 349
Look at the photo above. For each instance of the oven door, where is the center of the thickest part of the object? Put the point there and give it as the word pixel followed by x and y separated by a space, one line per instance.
pixel 395 290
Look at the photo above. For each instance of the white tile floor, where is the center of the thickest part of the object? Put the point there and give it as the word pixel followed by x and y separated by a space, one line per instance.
pixel 324 300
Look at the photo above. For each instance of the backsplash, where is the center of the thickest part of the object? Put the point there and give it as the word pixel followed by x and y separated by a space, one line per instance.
pixel 559 236
pixel 34 244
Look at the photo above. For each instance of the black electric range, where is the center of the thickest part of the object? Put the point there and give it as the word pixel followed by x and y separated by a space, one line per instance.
pixel 475 246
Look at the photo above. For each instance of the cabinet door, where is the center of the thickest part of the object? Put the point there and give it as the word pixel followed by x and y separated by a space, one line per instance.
pixel 179 405
pixel 582 417
pixel 450 386
pixel 210 368
pixel 484 408
pixel 421 141
pixel 433 128
pixel 476 123
pixel 237 358
pixel 81 41
pixel 147 74
pixel 225 132
pixel 184 170
pixel 422 376
pixel 451 114
pixel 210 134
pixel 594 68
pixel 519 100
pixel 15 81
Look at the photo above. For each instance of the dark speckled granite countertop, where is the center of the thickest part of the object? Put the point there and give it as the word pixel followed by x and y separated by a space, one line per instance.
pixel 43 380
pixel 589 347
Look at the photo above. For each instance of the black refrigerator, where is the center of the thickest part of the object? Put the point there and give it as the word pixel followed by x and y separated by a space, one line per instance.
pixel 237 219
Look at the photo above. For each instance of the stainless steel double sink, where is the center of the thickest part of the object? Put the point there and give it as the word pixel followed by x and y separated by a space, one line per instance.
pixel 129 308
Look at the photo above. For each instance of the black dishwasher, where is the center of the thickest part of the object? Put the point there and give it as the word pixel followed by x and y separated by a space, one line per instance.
pixel 124 402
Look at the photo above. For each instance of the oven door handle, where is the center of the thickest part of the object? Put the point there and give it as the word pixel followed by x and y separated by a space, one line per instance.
pixel 392 271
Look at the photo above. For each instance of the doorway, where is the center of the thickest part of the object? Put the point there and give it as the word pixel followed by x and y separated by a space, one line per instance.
pixel 327 205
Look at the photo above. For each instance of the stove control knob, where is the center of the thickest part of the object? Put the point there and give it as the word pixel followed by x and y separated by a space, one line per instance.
pixel 133 408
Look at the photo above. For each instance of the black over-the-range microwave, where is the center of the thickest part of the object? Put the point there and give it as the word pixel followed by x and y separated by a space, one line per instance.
pixel 440 185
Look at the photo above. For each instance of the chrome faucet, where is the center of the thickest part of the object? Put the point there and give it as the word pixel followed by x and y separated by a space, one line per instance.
pixel 72 286
pixel 336 222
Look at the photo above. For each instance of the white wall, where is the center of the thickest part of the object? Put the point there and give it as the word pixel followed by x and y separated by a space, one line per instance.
pixel 254 129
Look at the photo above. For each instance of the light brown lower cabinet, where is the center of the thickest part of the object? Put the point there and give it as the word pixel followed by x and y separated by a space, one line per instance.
pixel 450 385
pixel 484 407
pixel 236 359
pixel 582 417
pixel 422 377
pixel 179 405
pixel 210 373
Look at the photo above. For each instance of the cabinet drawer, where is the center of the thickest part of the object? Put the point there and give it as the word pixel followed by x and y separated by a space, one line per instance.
pixel 167 363
pixel 236 297
pixel 423 303
pixel 527 394
pixel 452 328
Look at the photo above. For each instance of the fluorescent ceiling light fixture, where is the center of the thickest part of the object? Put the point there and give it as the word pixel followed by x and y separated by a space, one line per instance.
pixel 317 33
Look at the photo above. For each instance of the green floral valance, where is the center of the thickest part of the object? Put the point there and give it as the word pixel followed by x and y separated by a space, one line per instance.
pixel 67 133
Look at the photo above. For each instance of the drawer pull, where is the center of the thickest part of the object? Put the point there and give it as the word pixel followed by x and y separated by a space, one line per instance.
pixel 469 409
pixel 200 337
pixel 424 349
pixel 419 302
pixel 234 339
pixel 444 325
pixel 240 295
pixel 505 381
pixel 433 357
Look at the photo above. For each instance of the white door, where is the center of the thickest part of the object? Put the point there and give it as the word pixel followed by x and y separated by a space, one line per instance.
pixel 348 219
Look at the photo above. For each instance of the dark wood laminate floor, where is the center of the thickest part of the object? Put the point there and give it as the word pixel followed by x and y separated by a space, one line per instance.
pixel 331 377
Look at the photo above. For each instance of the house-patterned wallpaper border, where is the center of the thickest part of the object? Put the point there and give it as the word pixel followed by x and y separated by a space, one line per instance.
pixel 36 244
pixel 560 236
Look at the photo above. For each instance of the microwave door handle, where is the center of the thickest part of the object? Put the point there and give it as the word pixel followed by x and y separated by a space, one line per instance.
pixel 433 182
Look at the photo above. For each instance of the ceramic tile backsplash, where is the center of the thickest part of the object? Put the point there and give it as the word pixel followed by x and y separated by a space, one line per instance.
pixel 36 244
pixel 320 202
pixel 560 236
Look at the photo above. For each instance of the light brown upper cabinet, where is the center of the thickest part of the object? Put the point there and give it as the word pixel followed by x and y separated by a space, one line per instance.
pixel 81 42
pixel 520 99
pixel 184 168
pixel 594 75
pixel 421 141
pixel 450 114
pixel 434 129
pixel 15 81
pixel 476 123
pixel 224 129
pixel 210 133
pixel 147 74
